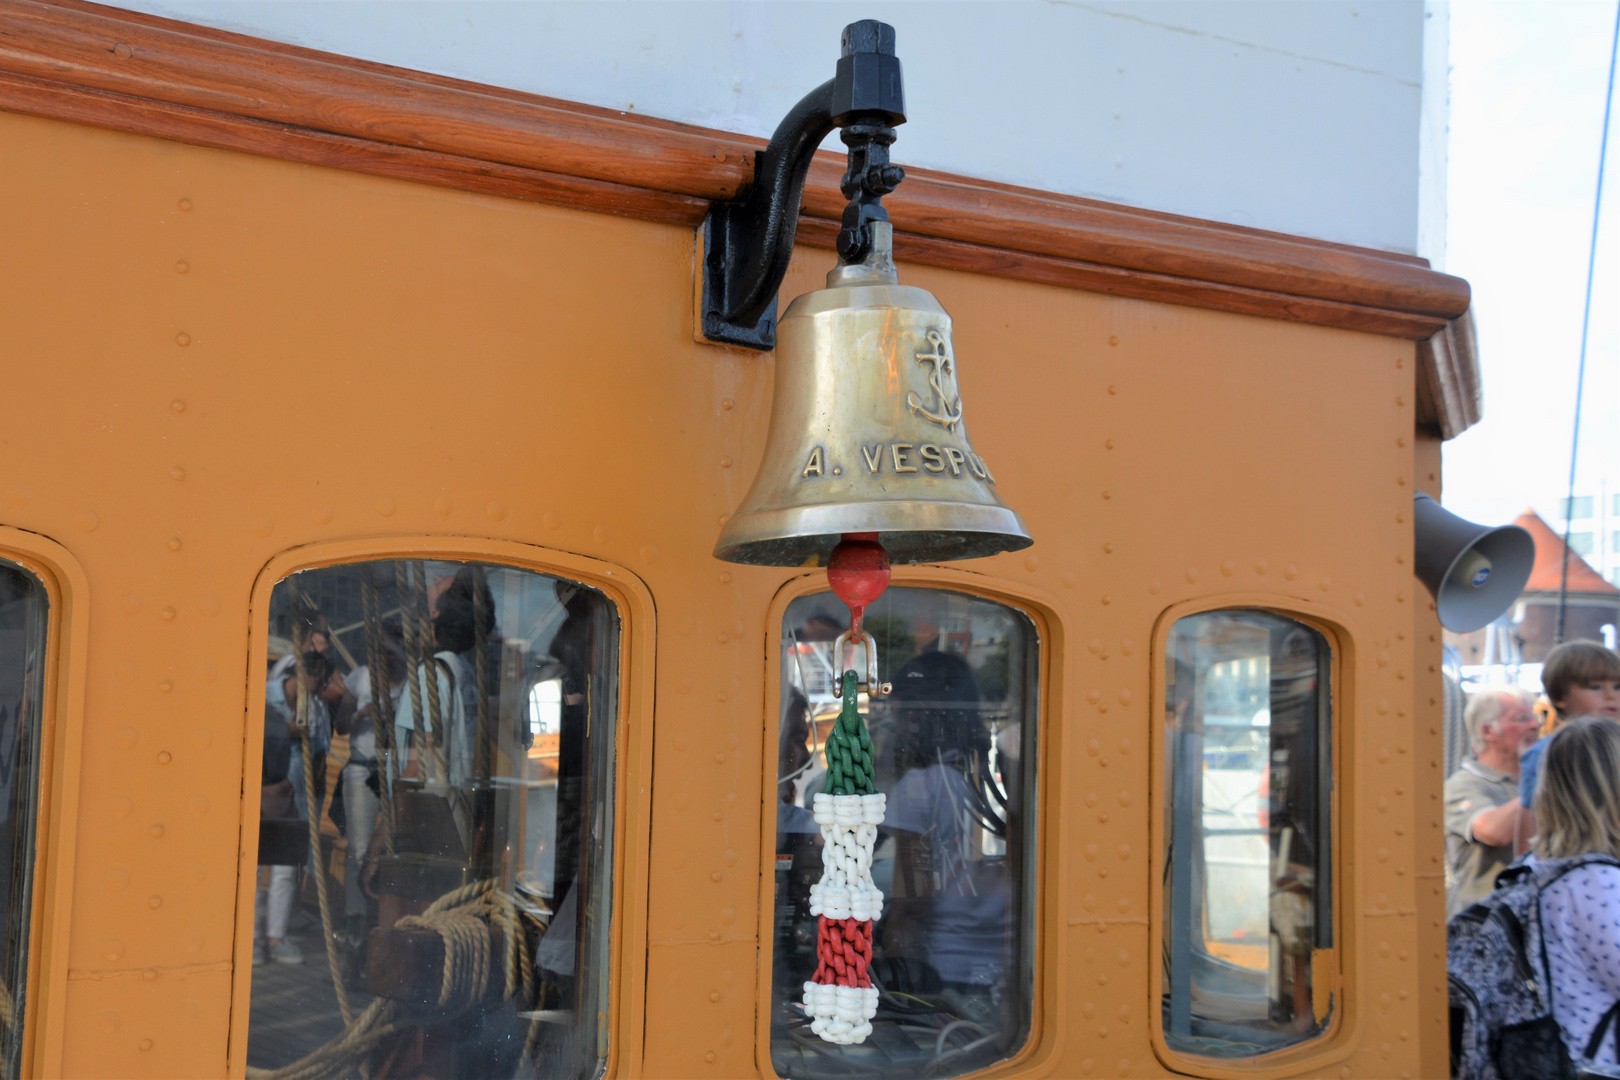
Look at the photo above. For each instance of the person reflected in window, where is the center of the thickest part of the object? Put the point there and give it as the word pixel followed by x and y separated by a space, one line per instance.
pixel 948 923
pixel 359 800
pixel 305 693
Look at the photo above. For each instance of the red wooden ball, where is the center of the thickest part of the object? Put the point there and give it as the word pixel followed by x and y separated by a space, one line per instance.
pixel 858 569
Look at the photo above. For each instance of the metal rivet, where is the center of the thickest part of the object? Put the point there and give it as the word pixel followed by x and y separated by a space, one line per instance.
pixel 182 267
pixel 551 519
pixel 86 520
pixel 1192 574
pixel 1067 579
pixel 320 513
pixel 725 577
pixel 649 554
pixel 113 950
pixel 725 463
pixel 1290 572
pixel 726 404
pixel 165 685
pixel 1108 549
pixel 1108 444
pixel 723 637
pixel 1032 563
pixel 156 830
pixel 164 757
pixel 1154 586
pixel 168 614
pixel 442 507
pixel 1261 566
pixel 1113 389
pixel 1325 584
pixel 1126 646
pixel 720 758
pixel 495 511
pixel 710 1056
pixel 146 1044
pixel 1125 697
pixel 716 876
pixel 386 507
pixel 1094 696
pixel 182 339
pixel 1108 494
pixel 177 474
pixel 1228 567
pixel 714 995
pixel 154 901
pixel 184 205
pixel 174 543
pixel 721 696
pixel 1106 600
pixel 177 406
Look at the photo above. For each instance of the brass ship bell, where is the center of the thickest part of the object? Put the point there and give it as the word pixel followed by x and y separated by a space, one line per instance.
pixel 868 432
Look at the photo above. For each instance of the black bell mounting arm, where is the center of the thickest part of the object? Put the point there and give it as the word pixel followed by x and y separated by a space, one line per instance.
pixel 747 243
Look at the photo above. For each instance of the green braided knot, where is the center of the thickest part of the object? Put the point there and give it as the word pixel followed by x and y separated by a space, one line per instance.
pixel 849 750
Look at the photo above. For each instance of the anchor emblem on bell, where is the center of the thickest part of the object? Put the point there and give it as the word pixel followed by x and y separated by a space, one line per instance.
pixel 943 380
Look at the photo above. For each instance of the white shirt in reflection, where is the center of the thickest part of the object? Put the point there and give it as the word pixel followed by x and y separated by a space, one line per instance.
pixel 967 925
pixel 458 717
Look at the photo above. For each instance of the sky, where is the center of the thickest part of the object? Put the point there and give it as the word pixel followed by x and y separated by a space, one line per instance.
pixel 1527 89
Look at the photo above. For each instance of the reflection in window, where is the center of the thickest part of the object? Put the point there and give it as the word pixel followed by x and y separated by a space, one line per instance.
pixel 1248 919
pixel 23 610
pixel 447 915
pixel 953 746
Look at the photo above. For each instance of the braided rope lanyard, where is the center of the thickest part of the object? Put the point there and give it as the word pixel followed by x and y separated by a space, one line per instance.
pixel 840 998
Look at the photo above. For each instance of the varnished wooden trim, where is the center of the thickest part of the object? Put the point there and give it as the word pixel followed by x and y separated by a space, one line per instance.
pixel 89 64
pixel 1449 396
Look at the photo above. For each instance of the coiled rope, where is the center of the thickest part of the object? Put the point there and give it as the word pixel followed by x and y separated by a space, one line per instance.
pixel 462 918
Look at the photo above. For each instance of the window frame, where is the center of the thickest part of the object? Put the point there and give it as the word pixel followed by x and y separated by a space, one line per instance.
pixel 1339 1040
pixel 1042 1044
pixel 632 794
pixel 56 830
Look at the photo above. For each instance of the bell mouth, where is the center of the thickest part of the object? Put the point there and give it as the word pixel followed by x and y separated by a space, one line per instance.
pixel 911 532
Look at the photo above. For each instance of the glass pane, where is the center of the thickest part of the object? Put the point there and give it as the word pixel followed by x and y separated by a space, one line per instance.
pixel 954 752
pixel 453 896
pixel 23 610
pixel 1248 920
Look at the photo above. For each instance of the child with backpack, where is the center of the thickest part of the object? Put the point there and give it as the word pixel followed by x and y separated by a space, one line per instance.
pixel 1535 967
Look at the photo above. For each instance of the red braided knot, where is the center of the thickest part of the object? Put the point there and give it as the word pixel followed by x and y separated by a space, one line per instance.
pixel 844 952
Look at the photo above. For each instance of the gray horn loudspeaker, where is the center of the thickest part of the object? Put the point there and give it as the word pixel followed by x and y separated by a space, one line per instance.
pixel 1474 571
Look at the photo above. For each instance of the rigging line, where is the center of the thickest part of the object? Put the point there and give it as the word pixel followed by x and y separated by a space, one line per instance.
pixel 1586 322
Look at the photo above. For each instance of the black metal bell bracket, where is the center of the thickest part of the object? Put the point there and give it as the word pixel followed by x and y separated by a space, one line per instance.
pixel 747 243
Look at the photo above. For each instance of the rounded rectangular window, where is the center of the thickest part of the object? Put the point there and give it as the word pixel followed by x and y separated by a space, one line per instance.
pixel 951 969
pixel 1248 918
pixel 24 609
pixel 436 901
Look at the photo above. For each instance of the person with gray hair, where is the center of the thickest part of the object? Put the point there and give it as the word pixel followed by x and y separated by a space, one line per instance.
pixel 1482 796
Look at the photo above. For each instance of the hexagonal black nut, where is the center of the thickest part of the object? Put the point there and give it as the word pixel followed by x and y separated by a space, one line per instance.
pixel 868 79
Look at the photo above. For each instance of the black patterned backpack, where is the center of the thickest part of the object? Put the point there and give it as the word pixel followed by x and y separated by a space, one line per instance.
pixel 1502 1025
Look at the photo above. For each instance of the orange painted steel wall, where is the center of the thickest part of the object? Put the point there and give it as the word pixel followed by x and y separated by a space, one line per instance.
pixel 213 359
